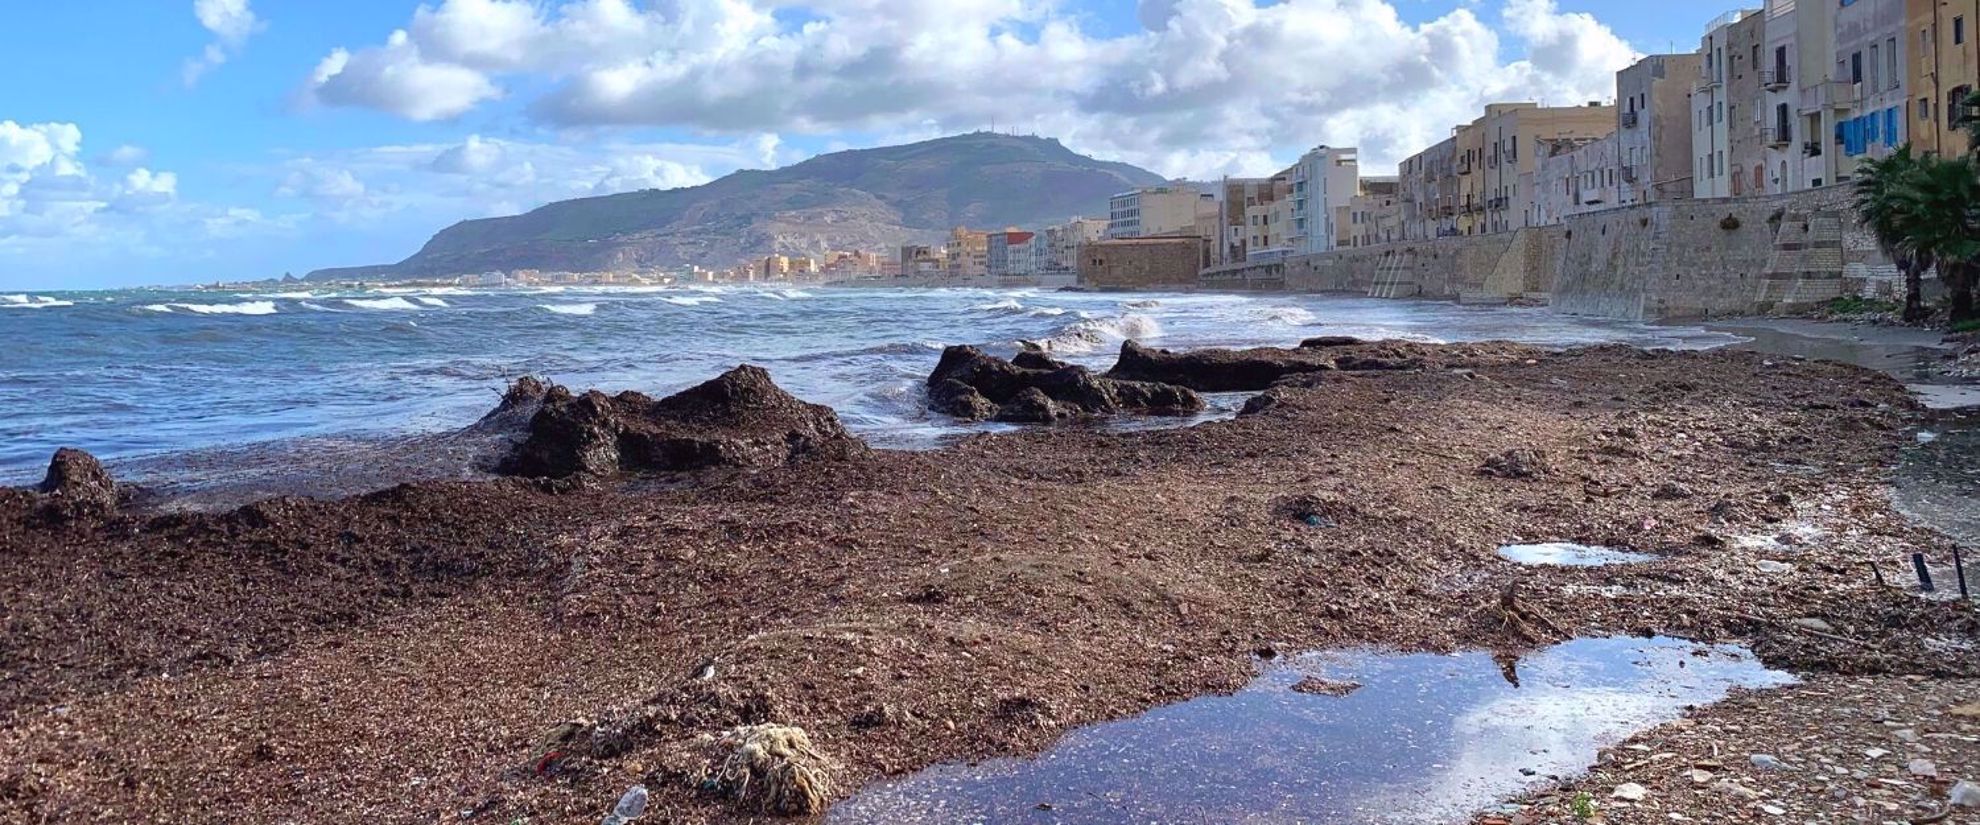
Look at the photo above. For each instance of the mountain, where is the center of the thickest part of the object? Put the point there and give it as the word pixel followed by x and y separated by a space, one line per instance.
pixel 861 199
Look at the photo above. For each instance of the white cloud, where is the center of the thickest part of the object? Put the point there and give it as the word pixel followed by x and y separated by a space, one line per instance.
pixel 232 22
pixel 46 191
pixel 1206 86
pixel 126 155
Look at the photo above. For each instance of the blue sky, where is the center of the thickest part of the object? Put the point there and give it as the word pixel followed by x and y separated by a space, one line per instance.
pixel 175 141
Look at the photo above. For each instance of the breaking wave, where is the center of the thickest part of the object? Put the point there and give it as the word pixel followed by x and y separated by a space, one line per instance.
pixel 430 301
pixel 1006 305
pixel 242 308
pixel 32 302
pixel 1089 334
pixel 381 303
pixel 1290 316
pixel 690 300
pixel 571 309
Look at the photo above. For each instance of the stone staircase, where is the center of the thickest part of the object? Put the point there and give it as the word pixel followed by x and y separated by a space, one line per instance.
pixel 1393 278
pixel 1806 267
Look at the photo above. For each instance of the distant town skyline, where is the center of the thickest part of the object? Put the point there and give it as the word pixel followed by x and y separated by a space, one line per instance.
pixel 145 142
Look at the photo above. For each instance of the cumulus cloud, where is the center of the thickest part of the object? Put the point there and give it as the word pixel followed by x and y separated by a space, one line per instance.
pixel 46 190
pixel 1204 86
pixel 231 22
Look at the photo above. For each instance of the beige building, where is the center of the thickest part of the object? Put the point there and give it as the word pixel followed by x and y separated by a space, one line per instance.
pixel 774 268
pixel 1746 105
pixel 1238 205
pixel 1653 127
pixel 1428 191
pixel 1375 216
pixel 1153 210
pixel 1062 243
pixel 1513 139
pixel 968 253
pixel 1578 176
pixel 1870 53
pixel 1143 263
pixel 1945 68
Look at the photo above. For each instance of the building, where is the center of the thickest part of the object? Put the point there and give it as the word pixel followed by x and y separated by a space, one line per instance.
pixel 1870 43
pixel 1653 127
pixel 923 261
pixel 1152 210
pixel 1268 221
pixel 1825 98
pixel 1944 70
pixel 1011 252
pixel 774 268
pixel 1578 176
pixel 968 253
pixel 1375 216
pixel 1513 139
pixel 1711 138
pixel 1060 252
pixel 1784 145
pixel 1237 202
pixel 1143 263
pixel 1427 190
pixel 1323 181
pixel 1746 41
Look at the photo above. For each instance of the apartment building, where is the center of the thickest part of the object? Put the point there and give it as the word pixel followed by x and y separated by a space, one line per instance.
pixel 1514 140
pixel 1746 42
pixel 1238 199
pixel 1870 41
pixel 1653 127
pixel 1944 70
pixel 1711 136
pixel 968 253
pixel 1153 210
pixel 1060 252
pixel 1783 143
pixel 1011 252
pixel 1578 176
pixel 1375 215
pixel 1323 181
pixel 1427 190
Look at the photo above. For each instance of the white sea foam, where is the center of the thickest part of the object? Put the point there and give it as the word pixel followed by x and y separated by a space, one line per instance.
pixel 32 302
pixel 430 301
pixel 288 295
pixel 1006 305
pixel 317 307
pixel 1289 316
pixel 1092 333
pixel 381 303
pixel 571 309
pixel 242 308
pixel 690 300
pixel 1046 312
pixel 796 293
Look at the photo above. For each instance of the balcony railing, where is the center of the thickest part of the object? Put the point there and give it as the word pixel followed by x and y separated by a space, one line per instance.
pixel 1837 94
pixel 1498 202
pixel 1775 79
pixel 1777 136
pixel 1629 119
pixel 1811 148
pixel 1629 174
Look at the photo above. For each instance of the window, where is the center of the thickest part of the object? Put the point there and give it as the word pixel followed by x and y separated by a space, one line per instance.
pixel 1891 62
pixel 1874 63
pixel 1959 30
pixel 1924 108
pixel 1856 67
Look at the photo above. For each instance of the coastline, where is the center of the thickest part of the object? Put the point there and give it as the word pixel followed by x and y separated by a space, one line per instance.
pixel 441 628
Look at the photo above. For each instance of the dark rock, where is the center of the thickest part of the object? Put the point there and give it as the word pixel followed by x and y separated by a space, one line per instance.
pixel 967 383
pixel 1261 402
pixel 1031 406
pixel 1672 491
pixel 741 419
pixel 1032 359
pixel 519 404
pixel 77 486
pixel 1322 686
pixel 1216 370
pixel 1516 464
pixel 1330 341
pixel 1370 363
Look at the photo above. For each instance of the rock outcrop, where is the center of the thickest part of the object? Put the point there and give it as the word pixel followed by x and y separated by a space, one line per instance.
pixel 1251 370
pixel 741 419
pixel 1217 370
pixel 971 384
pixel 75 488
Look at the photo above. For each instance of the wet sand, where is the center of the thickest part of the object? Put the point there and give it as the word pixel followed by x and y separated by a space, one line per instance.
pixel 401 656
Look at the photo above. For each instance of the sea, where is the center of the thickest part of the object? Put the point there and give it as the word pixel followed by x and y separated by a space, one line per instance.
pixel 139 376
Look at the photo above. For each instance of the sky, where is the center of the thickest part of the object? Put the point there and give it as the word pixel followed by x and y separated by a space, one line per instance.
pixel 184 141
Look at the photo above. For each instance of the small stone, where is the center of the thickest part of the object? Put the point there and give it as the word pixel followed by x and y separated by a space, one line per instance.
pixel 1732 788
pixel 1769 762
pixel 1922 767
pixel 1701 776
pixel 1814 624
pixel 1630 792
pixel 1905 735
pixel 1876 753
pixel 1964 794
pixel 1774 809
pixel 1772 567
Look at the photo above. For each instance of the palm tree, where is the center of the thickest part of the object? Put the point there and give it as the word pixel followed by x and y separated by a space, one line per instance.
pixel 1938 209
pixel 1967 120
pixel 1878 183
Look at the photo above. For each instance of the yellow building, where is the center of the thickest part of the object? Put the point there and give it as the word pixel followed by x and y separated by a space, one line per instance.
pixel 1945 67
pixel 775 268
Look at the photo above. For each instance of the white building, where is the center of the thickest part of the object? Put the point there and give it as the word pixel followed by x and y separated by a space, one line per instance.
pixel 1784 138
pixel 1323 182
pixel 1870 46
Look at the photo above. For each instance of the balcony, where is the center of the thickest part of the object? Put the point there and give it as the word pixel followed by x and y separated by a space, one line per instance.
pixel 1811 148
pixel 1775 79
pixel 1836 94
pixel 1629 174
pixel 1709 82
pixel 1499 202
pixel 1777 136
pixel 1630 119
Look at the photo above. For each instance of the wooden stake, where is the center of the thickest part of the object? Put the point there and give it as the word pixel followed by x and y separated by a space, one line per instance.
pixel 1959 568
pixel 1924 575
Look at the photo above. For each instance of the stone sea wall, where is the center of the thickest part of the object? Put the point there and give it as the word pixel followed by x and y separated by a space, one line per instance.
pixel 1677 259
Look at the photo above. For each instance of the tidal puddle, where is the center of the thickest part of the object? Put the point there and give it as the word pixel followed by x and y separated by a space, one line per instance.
pixel 1565 554
pixel 1426 738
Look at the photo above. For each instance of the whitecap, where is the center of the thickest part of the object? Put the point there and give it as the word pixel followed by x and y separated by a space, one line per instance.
pixel 430 301
pixel 1090 333
pixel 1289 316
pixel 32 302
pixel 1046 312
pixel 691 300
pixel 571 309
pixel 288 295
pixel 795 293
pixel 242 308
pixel 381 303
pixel 1006 305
